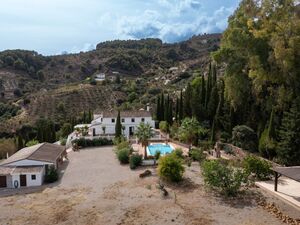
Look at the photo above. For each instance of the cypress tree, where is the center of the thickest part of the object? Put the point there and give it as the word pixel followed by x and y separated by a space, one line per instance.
pixel 214 75
pixel 288 150
pixel 180 113
pixel 170 112
pixel 208 87
pixel 20 142
pixel 118 127
pixel 177 109
pixel 167 108
pixel 213 103
pixel 158 117
pixel 187 101
pixel 162 106
pixel 203 90
pixel 271 129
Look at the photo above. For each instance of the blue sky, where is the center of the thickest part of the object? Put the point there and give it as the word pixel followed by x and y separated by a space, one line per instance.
pixel 53 26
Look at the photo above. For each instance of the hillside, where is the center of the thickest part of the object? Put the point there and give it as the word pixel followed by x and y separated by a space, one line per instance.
pixel 38 84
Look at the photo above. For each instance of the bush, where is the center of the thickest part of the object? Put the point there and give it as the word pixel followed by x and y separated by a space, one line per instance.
pixel 206 145
pixel 178 153
pixel 157 155
pixel 223 178
pixel 197 154
pixel 123 155
pixel 259 167
pixel 267 146
pixel 135 161
pixel 164 126
pixel 51 175
pixel 82 142
pixel 63 141
pixel 245 138
pixel 122 145
pixel 170 167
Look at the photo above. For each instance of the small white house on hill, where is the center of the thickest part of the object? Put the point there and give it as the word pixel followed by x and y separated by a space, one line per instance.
pixel 104 123
pixel 100 77
pixel 28 166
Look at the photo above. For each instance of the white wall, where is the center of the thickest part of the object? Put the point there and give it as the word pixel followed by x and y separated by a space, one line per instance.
pixel 110 126
pixel 29 182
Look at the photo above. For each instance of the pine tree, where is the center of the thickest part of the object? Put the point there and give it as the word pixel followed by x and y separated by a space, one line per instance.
pixel 118 127
pixel 288 150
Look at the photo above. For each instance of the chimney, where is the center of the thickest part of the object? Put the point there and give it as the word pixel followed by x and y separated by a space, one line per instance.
pixel 148 107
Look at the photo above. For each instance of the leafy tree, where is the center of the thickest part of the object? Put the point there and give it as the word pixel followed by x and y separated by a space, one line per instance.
pixel 66 129
pixel 144 132
pixel 190 130
pixel 244 137
pixel 31 143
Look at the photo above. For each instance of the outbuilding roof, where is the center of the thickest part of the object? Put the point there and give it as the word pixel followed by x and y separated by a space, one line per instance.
pixel 41 152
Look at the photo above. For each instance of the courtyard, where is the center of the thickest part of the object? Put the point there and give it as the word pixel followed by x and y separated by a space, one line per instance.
pixel 96 189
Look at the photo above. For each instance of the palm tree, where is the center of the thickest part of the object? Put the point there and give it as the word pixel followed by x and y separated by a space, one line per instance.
pixel 144 132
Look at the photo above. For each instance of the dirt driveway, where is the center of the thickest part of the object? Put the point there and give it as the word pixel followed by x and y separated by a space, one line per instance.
pixel 96 189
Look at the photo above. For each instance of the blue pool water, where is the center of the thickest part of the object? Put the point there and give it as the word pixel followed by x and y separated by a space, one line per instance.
pixel 162 148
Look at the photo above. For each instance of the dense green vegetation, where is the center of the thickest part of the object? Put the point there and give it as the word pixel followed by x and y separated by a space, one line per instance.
pixel 8 110
pixel 255 105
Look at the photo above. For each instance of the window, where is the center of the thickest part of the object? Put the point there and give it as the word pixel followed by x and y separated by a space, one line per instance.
pixel 143 119
pixel 123 120
pixel 132 120
pixel 113 120
pixel 33 177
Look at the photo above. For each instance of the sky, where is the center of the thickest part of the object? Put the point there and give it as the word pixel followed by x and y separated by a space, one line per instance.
pixel 54 26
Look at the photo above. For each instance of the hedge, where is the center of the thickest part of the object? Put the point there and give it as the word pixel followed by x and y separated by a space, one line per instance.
pixel 82 142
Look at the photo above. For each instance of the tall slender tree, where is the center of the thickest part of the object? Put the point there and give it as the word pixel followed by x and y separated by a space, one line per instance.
pixel 180 113
pixel 118 127
pixel 158 109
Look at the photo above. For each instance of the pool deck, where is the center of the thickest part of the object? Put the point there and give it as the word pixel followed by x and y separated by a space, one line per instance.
pixel 140 150
pixel 288 190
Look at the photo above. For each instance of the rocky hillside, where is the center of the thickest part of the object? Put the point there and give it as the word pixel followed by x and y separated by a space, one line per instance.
pixel 38 84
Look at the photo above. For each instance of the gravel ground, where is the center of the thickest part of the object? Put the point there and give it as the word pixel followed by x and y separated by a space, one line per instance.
pixel 95 189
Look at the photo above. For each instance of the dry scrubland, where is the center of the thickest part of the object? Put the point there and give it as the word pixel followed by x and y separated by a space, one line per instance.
pixel 95 189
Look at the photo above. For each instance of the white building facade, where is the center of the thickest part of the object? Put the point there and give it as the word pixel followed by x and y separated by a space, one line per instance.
pixel 105 123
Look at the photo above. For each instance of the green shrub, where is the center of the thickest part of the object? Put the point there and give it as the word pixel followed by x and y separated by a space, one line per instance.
pixel 244 137
pixel 51 175
pixel 164 126
pixel 223 178
pixel 63 141
pixel 267 146
pixel 259 167
pixel 157 155
pixel 122 145
pixel 135 161
pixel 206 145
pixel 197 154
pixel 82 142
pixel 170 167
pixel 123 155
pixel 178 153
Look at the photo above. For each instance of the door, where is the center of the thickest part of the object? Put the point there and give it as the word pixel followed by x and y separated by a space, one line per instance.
pixel 23 182
pixel 131 131
pixel 3 181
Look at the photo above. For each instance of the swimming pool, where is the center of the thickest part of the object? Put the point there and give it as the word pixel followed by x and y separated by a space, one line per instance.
pixel 162 148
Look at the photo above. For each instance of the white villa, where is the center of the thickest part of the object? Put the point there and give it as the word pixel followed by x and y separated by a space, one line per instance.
pixel 28 166
pixel 105 122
